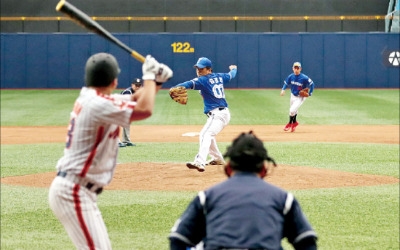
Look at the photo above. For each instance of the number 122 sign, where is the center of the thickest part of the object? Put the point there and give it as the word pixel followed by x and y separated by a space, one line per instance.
pixel 179 47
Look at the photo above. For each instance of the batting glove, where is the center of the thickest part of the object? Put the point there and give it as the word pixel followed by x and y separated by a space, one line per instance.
pixel 164 73
pixel 150 68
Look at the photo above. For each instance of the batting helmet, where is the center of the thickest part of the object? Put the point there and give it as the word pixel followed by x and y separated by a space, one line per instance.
pixel 101 69
pixel 247 153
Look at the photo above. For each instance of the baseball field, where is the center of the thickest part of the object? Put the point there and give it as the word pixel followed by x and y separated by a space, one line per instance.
pixel 342 164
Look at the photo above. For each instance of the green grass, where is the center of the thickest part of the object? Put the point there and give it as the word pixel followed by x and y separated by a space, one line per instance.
pixel 376 107
pixel 344 218
pixel 36 107
pixel 354 218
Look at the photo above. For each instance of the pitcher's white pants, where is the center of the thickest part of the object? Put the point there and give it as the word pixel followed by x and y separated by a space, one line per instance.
pixel 216 121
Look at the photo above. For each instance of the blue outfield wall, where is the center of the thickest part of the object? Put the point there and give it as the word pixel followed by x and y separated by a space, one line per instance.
pixel 332 60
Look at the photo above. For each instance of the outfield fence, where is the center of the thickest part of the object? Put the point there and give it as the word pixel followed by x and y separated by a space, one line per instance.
pixel 332 60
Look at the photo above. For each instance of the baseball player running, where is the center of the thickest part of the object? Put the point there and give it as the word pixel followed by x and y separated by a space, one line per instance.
pixel 211 88
pixel 297 81
pixel 126 139
pixel 244 211
pixel 91 148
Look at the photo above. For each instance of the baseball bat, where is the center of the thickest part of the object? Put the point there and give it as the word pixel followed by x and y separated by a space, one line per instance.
pixel 87 22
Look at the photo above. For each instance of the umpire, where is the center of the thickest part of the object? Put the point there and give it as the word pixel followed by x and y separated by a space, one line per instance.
pixel 136 84
pixel 244 211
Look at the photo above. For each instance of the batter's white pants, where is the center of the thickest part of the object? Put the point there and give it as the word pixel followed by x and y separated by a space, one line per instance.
pixel 295 103
pixel 76 208
pixel 216 121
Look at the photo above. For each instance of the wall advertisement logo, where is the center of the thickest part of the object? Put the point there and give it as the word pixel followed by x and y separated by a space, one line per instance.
pixel 394 58
pixel 391 58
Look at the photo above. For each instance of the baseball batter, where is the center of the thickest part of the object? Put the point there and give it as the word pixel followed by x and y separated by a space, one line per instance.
pixel 244 211
pixel 297 81
pixel 211 88
pixel 91 148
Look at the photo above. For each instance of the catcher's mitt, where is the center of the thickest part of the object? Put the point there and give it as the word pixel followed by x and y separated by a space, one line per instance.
pixel 304 92
pixel 179 94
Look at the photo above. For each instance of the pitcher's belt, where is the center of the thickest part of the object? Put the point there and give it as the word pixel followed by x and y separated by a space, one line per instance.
pixel 220 109
pixel 81 181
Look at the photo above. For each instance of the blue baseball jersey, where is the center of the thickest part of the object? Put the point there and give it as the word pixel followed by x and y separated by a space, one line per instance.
pixel 243 212
pixel 297 83
pixel 211 88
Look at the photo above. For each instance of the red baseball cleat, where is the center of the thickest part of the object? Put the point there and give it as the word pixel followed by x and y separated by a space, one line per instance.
pixel 294 125
pixel 287 127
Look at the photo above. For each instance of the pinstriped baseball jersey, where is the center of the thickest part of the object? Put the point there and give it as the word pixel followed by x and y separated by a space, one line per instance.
pixel 88 164
pixel 92 140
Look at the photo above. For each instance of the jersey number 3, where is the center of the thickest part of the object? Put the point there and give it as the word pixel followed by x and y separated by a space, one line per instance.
pixel 70 132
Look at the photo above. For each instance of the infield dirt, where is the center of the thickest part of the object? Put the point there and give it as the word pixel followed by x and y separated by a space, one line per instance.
pixel 176 177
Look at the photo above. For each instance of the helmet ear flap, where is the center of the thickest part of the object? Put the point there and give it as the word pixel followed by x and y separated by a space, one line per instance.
pixel 228 169
pixel 263 172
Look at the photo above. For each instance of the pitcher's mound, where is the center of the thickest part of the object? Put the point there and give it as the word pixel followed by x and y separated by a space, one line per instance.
pixel 177 177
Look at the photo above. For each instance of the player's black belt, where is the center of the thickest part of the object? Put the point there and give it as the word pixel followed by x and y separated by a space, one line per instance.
pixel 220 108
pixel 76 180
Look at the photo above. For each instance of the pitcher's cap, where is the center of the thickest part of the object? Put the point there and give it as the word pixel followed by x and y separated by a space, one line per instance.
pixel 297 64
pixel 203 62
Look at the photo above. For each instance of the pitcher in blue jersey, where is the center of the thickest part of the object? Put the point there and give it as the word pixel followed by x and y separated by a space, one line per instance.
pixel 211 88
pixel 297 81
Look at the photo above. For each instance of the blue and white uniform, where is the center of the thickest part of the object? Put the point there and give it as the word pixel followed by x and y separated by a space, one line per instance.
pixel 296 81
pixel 211 88
pixel 266 216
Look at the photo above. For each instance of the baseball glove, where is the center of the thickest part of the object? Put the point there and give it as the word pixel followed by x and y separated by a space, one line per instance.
pixel 304 92
pixel 179 94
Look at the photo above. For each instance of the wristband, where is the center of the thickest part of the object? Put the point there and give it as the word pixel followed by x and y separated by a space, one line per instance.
pixel 149 76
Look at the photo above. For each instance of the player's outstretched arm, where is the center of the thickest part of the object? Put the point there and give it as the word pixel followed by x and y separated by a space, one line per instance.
pixel 233 71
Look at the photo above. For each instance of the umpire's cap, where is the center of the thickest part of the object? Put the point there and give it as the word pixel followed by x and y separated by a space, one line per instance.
pixel 101 69
pixel 247 153
pixel 137 81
